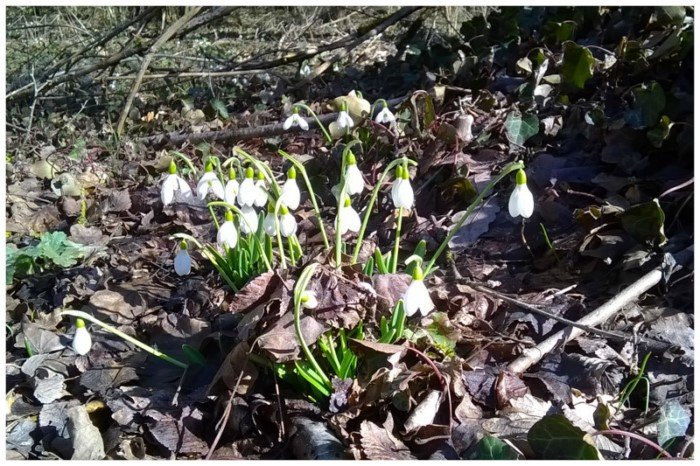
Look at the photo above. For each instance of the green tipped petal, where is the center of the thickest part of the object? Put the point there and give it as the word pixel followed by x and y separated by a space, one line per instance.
pixel 292 173
pixel 79 323
pixel 172 169
pixel 249 172
pixel 229 216
pixel 520 177
pixel 417 274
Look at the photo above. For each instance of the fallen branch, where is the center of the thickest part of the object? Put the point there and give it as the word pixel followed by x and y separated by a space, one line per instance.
pixel 532 356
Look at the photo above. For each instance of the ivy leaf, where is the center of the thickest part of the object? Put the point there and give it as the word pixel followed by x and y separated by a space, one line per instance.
pixel 649 102
pixel 493 448
pixel 645 222
pixel 577 64
pixel 660 132
pixel 673 421
pixel 555 438
pixel 520 128
pixel 56 247
pixel 220 108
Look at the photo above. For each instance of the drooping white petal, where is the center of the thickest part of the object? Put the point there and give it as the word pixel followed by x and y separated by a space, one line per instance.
pixel 521 202
pixel 260 194
pixel 353 180
pixel 308 300
pixel 246 193
pixel 288 122
pixel 182 262
pixel 249 220
pixel 82 342
pixel 302 123
pixel 290 194
pixel 231 191
pixel 227 234
pixel 168 188
pixel 417 298
pixel 402 194
pixel 288 225
pixel 344 120
pixel 269 224
pixel 349 220
pixel 385 116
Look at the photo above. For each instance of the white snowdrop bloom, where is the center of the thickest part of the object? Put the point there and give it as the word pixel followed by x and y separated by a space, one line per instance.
pixel 231 188
pixel 295 119
pixel 269 221
pixel 308 300
pixel 173 186
pixel 385 116
pixel 249 220
pixel 416 297
pixel 354 184
pixel 260 191
pixel 521 201
pixel 210 183
pixel 305 70
pixel 182 262
pixel 290 190
pixel 227 234
pixel 288 224
pixel 82 342
pixel 348 218
pixel 247 190
pixel 401 190
pixel 344 120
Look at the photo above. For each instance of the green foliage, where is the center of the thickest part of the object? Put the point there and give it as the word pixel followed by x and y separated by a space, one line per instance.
pixel 53 248
pixel 193 355
pixel 520 128
pixel 220 108
pixel 392 330
pixel 659 133
pixel 493 448
pixel 555 438
pixel 577 64
pixel 673 421
pixel 645 222
pixel 649 102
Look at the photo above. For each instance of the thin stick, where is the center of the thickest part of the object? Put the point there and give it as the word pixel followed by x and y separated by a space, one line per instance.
pixel 532 356
pixel 644 440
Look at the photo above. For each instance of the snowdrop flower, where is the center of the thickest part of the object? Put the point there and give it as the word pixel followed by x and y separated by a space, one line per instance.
pixel 269 221
pixel 295 119
pixel 353 177
pixel 210 183
pixel 174 186
pixel 344 120
pixel 232 186
pixel 521 201
pixel 82 342
pixel 348 218
pixel 288 224
pixel 249 222
pixel 182 262
pixel 247 190
pixel 260 191
pixel 305 70
pixel 227 234
pixel 290 190
pixel 416 297
pixel 401 190
pixel 308 300
pixel 385 116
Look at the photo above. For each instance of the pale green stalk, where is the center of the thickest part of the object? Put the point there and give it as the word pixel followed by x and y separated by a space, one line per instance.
pixel 511 167
pixel 187 161
pixel 299 289
pixel 372 200
pixel 302 170
pixel 318 122
pixel 120 334
pixel 395 255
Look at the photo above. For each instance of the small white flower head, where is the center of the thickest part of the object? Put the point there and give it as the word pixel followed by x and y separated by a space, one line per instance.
pixel 247 190
pixel 231 188
pixel 521 201
pixel 227 234
pixel 401 190
pixel 210 183
pixel 305 70
pixel 182 262
pixel 348 218
pixel 82 342
pixel 290 190
pixel 249 220
pixel 385 116
pixel 288 224
pixel 295 119
pixel 416 297
pixel 354 184
pixel 269 221
pixel 308 300
pixel 344 120
pixel 174 187
pixel 260 191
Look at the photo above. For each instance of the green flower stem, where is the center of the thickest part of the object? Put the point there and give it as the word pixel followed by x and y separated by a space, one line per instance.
pixel 299 288
pixel 189 238
pixel 283 261
pixel 217 163
pixel 213 215
pixel 292 257
pixel 120 334
pixel 318 122
pixel 264 168
pixel 395 255
pixel 302 170
pixel 374 105
pixel 187 161
pixel 372 200
pixel 240 214
pixel 511 167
